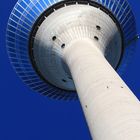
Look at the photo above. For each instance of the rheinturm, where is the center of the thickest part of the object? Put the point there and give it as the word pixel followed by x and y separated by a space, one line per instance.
pixel 74 49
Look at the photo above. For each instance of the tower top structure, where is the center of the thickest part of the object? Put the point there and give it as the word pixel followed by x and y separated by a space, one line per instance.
pixel 26 18
pixel 60 47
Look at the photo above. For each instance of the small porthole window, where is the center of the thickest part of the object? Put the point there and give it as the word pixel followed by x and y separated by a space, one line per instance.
pixel 98 27
pixel 63 46
pixel 64 80
pixel 96 38
pixel 54 38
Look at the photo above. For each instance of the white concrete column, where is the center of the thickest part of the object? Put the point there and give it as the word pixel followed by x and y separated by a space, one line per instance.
pixel 111 109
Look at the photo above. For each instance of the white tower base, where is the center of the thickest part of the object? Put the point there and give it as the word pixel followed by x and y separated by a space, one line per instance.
pixel 111 109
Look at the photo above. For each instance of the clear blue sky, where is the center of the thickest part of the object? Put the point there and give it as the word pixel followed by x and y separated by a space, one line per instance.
pixel 25 115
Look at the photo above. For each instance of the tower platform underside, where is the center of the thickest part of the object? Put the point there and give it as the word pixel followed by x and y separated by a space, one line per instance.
pixel 65 25
pixel 27 17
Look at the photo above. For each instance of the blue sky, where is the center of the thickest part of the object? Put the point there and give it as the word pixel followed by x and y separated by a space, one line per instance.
pixel 25 115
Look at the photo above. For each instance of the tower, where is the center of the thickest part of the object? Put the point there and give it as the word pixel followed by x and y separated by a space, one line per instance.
pixel 58 47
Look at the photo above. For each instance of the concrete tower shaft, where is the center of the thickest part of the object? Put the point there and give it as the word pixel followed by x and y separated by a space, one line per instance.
pixel 111 109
